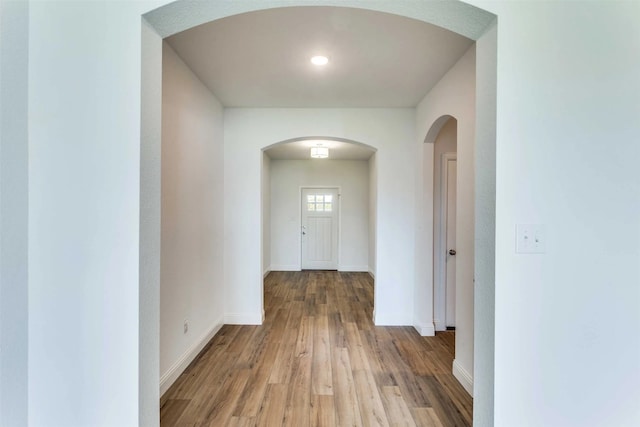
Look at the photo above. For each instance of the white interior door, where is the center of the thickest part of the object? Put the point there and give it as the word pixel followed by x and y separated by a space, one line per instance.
pixel 450 269
pixel 319 229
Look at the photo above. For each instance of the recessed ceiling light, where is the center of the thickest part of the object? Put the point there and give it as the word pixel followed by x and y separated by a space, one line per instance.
pixel 319 60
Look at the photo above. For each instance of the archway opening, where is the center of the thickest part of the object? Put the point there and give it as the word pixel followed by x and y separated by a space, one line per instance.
pixel 161 24
pixel 349 167
pixel 450 182
pixel 307 202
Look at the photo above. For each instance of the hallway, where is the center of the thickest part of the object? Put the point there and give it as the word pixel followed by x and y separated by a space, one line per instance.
pixel 319 360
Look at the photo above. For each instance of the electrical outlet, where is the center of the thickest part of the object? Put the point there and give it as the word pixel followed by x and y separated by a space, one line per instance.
pixel 186 326
pixel 530 239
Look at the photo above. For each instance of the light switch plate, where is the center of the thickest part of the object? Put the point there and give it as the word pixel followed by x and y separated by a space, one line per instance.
pixel 530 239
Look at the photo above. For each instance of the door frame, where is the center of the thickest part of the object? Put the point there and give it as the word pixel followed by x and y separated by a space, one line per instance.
pixel 339 204
pixel 440 289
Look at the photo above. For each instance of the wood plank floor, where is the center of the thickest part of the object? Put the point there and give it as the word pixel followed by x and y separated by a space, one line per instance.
pixel 318 360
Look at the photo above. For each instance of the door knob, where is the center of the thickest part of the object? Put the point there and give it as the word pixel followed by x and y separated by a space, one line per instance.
pixel 452 251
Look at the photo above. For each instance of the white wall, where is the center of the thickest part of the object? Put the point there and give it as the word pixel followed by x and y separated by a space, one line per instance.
pixel 567 338
pixel 192 276
pixel 391 131
pixel 446 142
pixel 149 252
pixel 14 44
pixel 84 212
pixel 266 214
pixel 373 209
pixel 453 96
pixel 287 177
pixel 485 229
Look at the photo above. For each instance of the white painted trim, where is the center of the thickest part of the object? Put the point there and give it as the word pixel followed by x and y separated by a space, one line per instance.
pixel 172 374
pixel 440 250
pixel 283 267
pixel 243 319
pixel 425 330
pixel 463 377
pixel 354 268
pixel 266 272
pixel 372 274
pixel 440 325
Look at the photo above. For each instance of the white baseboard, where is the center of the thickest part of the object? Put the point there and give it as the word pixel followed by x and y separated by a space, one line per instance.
pixel 266 273
pixel 440 325
pixel 372 274
pixel 425 330
pixel 463 377
pixel 243 319
pixel 354 268
pixel 285 268
pixel 172 374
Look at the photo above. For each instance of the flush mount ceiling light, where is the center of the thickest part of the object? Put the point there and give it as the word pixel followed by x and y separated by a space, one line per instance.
pixel 319 60
pixel 319 152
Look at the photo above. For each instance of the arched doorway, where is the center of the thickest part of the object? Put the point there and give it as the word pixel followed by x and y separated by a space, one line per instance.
pixel 466 20
pixel 451 181
pixel 289 175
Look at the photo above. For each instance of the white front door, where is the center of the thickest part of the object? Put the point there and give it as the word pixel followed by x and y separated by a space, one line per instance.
pixel 450 270
pixel 319 228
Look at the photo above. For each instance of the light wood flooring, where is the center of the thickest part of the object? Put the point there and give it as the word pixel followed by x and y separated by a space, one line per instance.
pixel 318 360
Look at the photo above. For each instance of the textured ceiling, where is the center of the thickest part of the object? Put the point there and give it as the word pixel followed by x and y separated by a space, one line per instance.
pixel 261 59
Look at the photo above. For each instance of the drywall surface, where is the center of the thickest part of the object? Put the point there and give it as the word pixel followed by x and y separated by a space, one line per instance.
pixel 352 177
pixel 390 131
pixel 445 143
pixel 84 212
pixel 453 96
pixel 567 322
pixel 191 280
pixel 485 261
pixel 150 228
pixel 266 214
pixel 14 161
pixel 373 207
